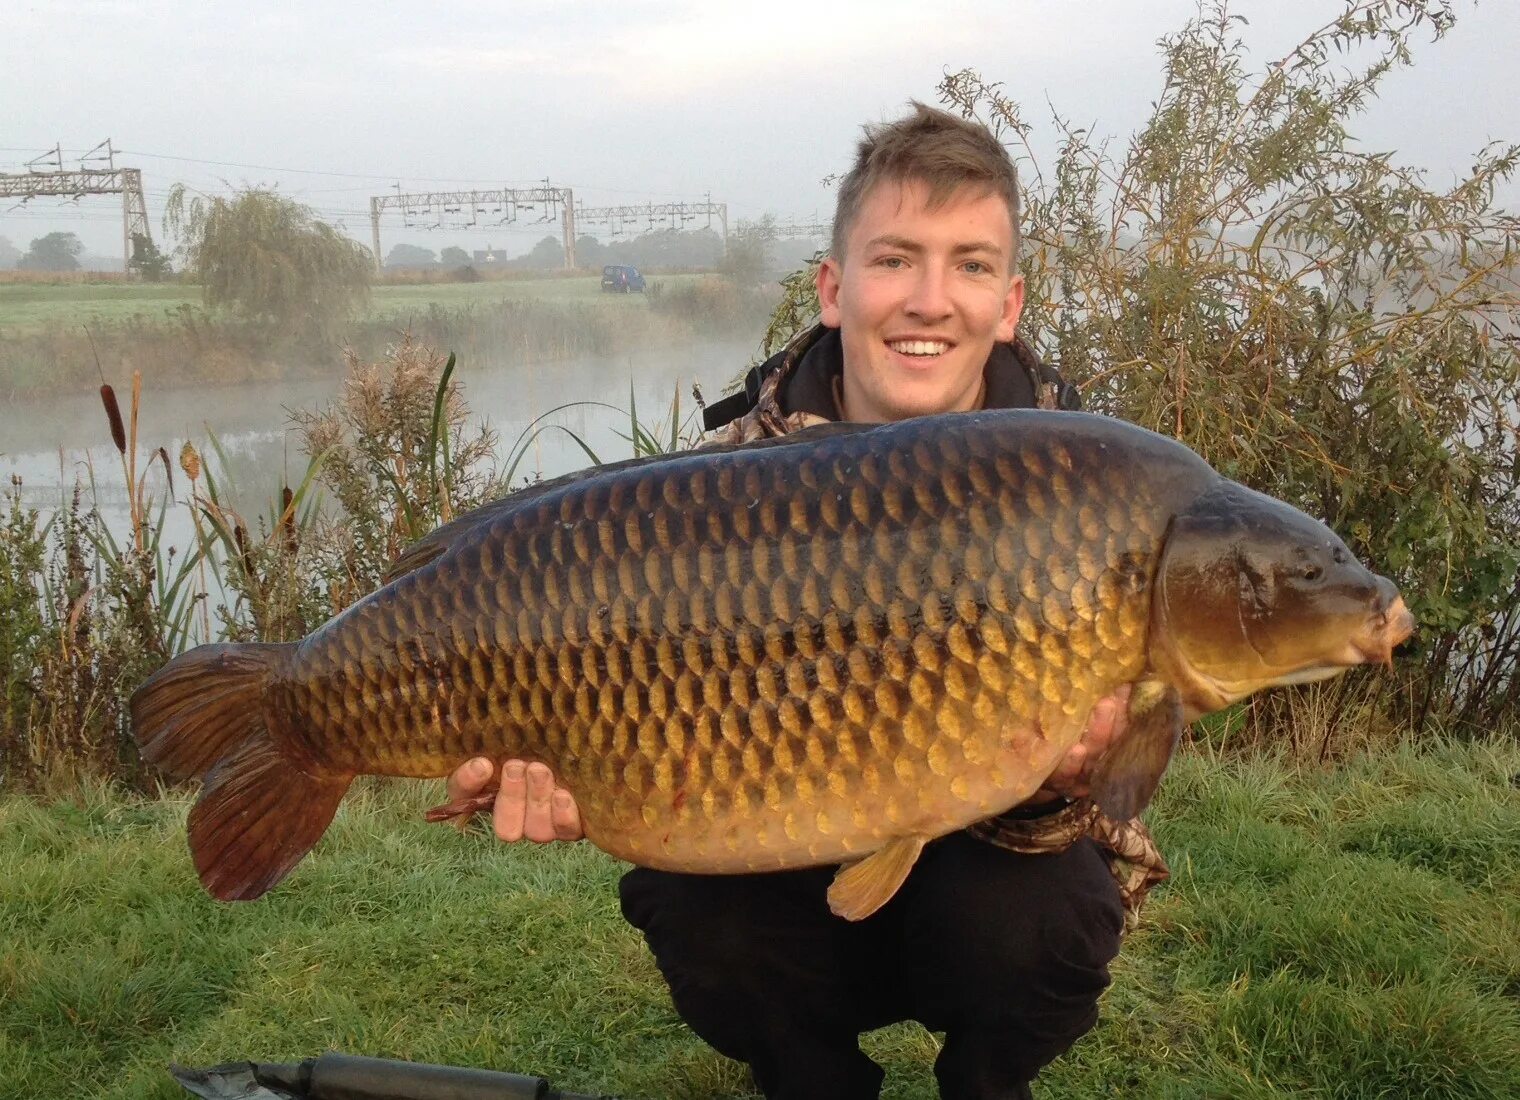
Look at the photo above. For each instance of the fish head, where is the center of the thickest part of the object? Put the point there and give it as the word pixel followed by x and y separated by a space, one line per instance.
pixel 1252 593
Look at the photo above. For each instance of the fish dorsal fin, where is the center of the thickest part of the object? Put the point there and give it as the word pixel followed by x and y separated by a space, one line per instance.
pixel 861 888
pixel 436 542
pixel 1129 773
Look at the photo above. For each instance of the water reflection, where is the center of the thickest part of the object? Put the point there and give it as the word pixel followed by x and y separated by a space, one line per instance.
pixel 52 445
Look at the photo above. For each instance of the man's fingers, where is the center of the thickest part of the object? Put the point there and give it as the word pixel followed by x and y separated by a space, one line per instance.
pixel 469 778
pixel 538 824
pixel 567 817
pixel 511 802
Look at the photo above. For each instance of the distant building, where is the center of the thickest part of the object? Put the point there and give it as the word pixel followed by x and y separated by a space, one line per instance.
pixel 490 255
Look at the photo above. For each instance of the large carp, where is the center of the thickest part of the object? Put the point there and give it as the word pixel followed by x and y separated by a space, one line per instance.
pixel 830 647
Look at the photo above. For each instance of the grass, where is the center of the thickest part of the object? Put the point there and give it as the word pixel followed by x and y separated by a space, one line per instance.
pixel 29 306
pixel 1340 933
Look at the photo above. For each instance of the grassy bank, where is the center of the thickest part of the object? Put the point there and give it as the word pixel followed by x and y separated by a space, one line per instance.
pixel 1330 933
pixel 52 336
pixel 30 306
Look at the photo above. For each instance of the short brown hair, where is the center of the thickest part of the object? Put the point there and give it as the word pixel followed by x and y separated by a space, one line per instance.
pixel 936 148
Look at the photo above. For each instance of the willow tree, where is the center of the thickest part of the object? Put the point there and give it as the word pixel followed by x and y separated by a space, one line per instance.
pixel 270 259
pixel 1313 317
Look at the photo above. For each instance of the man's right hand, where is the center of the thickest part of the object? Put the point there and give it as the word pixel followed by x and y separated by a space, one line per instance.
pixel 528 805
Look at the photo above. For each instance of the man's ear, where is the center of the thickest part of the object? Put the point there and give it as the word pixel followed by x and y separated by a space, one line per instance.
pixel 1013 305
pixel 826 282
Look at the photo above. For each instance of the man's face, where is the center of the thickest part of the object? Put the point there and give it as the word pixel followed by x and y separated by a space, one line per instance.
pixel 919 297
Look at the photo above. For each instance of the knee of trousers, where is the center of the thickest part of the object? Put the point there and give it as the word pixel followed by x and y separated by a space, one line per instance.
pixel 1016 933
pixel 732 978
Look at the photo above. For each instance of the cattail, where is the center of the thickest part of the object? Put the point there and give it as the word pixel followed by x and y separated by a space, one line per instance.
pixel 168 469
pixel 113 414
pixel 288 520
pixel 190 461
pixel 240 536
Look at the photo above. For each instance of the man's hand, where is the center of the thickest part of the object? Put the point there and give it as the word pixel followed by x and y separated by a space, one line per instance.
pixel 1073 775
pixel 528 805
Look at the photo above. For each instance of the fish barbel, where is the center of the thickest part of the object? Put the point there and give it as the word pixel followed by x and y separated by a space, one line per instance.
pixel 829 647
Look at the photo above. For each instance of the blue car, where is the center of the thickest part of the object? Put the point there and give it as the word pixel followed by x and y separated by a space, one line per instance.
pixel 622 279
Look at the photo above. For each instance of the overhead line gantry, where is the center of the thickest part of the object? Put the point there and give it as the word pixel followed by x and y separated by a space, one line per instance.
pixel 46 176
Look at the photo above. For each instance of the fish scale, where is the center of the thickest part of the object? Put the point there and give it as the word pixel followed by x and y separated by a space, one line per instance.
pixel 753 660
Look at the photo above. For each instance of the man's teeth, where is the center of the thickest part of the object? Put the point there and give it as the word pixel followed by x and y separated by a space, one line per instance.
pixel 919 347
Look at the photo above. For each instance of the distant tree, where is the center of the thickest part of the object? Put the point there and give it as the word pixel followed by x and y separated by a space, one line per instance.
pixel 590 252
pixel 147 261
pixel 454 256
pixel 9 254
pixel 411 255
pixel 749 251
pixel 54 252
pixel 270 259
pixel 547 254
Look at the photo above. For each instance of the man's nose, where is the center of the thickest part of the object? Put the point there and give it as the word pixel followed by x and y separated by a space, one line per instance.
pixel 929 299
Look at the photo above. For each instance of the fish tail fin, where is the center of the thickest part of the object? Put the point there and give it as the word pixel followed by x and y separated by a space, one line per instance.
pixel 202 715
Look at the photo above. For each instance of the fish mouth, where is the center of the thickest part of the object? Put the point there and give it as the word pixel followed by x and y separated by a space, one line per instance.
pixel 1385 631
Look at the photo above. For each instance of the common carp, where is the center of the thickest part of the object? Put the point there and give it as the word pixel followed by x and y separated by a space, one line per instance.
pixel 830 647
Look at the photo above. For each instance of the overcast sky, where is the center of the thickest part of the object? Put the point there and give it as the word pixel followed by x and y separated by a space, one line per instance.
pixel 639 100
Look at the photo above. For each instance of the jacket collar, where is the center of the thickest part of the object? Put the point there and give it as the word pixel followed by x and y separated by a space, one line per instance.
pixel 817 359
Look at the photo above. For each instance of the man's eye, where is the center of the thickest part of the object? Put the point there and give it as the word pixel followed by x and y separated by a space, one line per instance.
pixel 891 261
pixel 976 267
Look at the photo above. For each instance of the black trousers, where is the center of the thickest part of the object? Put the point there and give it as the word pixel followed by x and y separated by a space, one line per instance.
pixel 1005 953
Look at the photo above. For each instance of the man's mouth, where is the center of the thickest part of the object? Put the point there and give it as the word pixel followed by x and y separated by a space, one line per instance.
pixel 919 349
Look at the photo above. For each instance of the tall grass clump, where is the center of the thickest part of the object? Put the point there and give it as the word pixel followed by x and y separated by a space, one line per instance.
pixel 1313 318
pixel 396 454
pixel 86 614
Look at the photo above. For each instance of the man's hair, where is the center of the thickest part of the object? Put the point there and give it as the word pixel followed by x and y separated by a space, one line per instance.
pixel 935 148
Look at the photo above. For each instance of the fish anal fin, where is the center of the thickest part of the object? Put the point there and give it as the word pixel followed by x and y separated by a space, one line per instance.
pixel 257 816
pixel 1129 773
pixel 861 888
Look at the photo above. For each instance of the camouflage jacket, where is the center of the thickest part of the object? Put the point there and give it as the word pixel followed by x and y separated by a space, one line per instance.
pixel 798 387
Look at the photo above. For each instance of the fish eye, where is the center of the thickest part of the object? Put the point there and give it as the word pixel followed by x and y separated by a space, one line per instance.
pixel 1338 555
pixel 1312 573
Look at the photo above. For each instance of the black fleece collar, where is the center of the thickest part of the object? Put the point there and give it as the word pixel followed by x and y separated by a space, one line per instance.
pixel 810 389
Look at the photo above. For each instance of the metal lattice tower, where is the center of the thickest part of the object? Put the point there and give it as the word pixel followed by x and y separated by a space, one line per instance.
pixel 75 184
pixel 464 209
pixel 503 206
pixel 648 215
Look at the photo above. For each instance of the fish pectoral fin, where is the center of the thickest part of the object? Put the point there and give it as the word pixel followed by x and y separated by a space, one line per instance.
pixel 1128 775
pixel 861 888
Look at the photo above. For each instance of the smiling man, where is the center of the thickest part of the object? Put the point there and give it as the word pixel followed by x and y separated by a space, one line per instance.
pixel 1002 934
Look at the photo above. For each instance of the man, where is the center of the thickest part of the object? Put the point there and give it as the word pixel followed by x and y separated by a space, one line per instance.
pixel 1002 934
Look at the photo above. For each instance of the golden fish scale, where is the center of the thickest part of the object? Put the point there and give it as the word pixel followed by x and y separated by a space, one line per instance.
pixel 746 661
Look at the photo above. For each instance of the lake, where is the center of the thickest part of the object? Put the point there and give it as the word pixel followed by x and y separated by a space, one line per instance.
pixel 55 444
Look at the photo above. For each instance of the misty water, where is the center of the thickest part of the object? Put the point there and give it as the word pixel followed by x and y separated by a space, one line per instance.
pixel 54 445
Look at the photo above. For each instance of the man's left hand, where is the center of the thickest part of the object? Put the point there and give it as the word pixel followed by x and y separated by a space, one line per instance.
pixel 1073 775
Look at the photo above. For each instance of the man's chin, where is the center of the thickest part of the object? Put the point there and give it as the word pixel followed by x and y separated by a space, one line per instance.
pixel 926 396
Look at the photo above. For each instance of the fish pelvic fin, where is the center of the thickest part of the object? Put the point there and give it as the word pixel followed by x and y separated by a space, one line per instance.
pixel 202 715
pixel 1130 772
pixel 861 888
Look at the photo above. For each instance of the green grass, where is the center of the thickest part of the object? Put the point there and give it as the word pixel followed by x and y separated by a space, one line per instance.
pixel 1328 934
pixel 25 306
pixel 30 306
